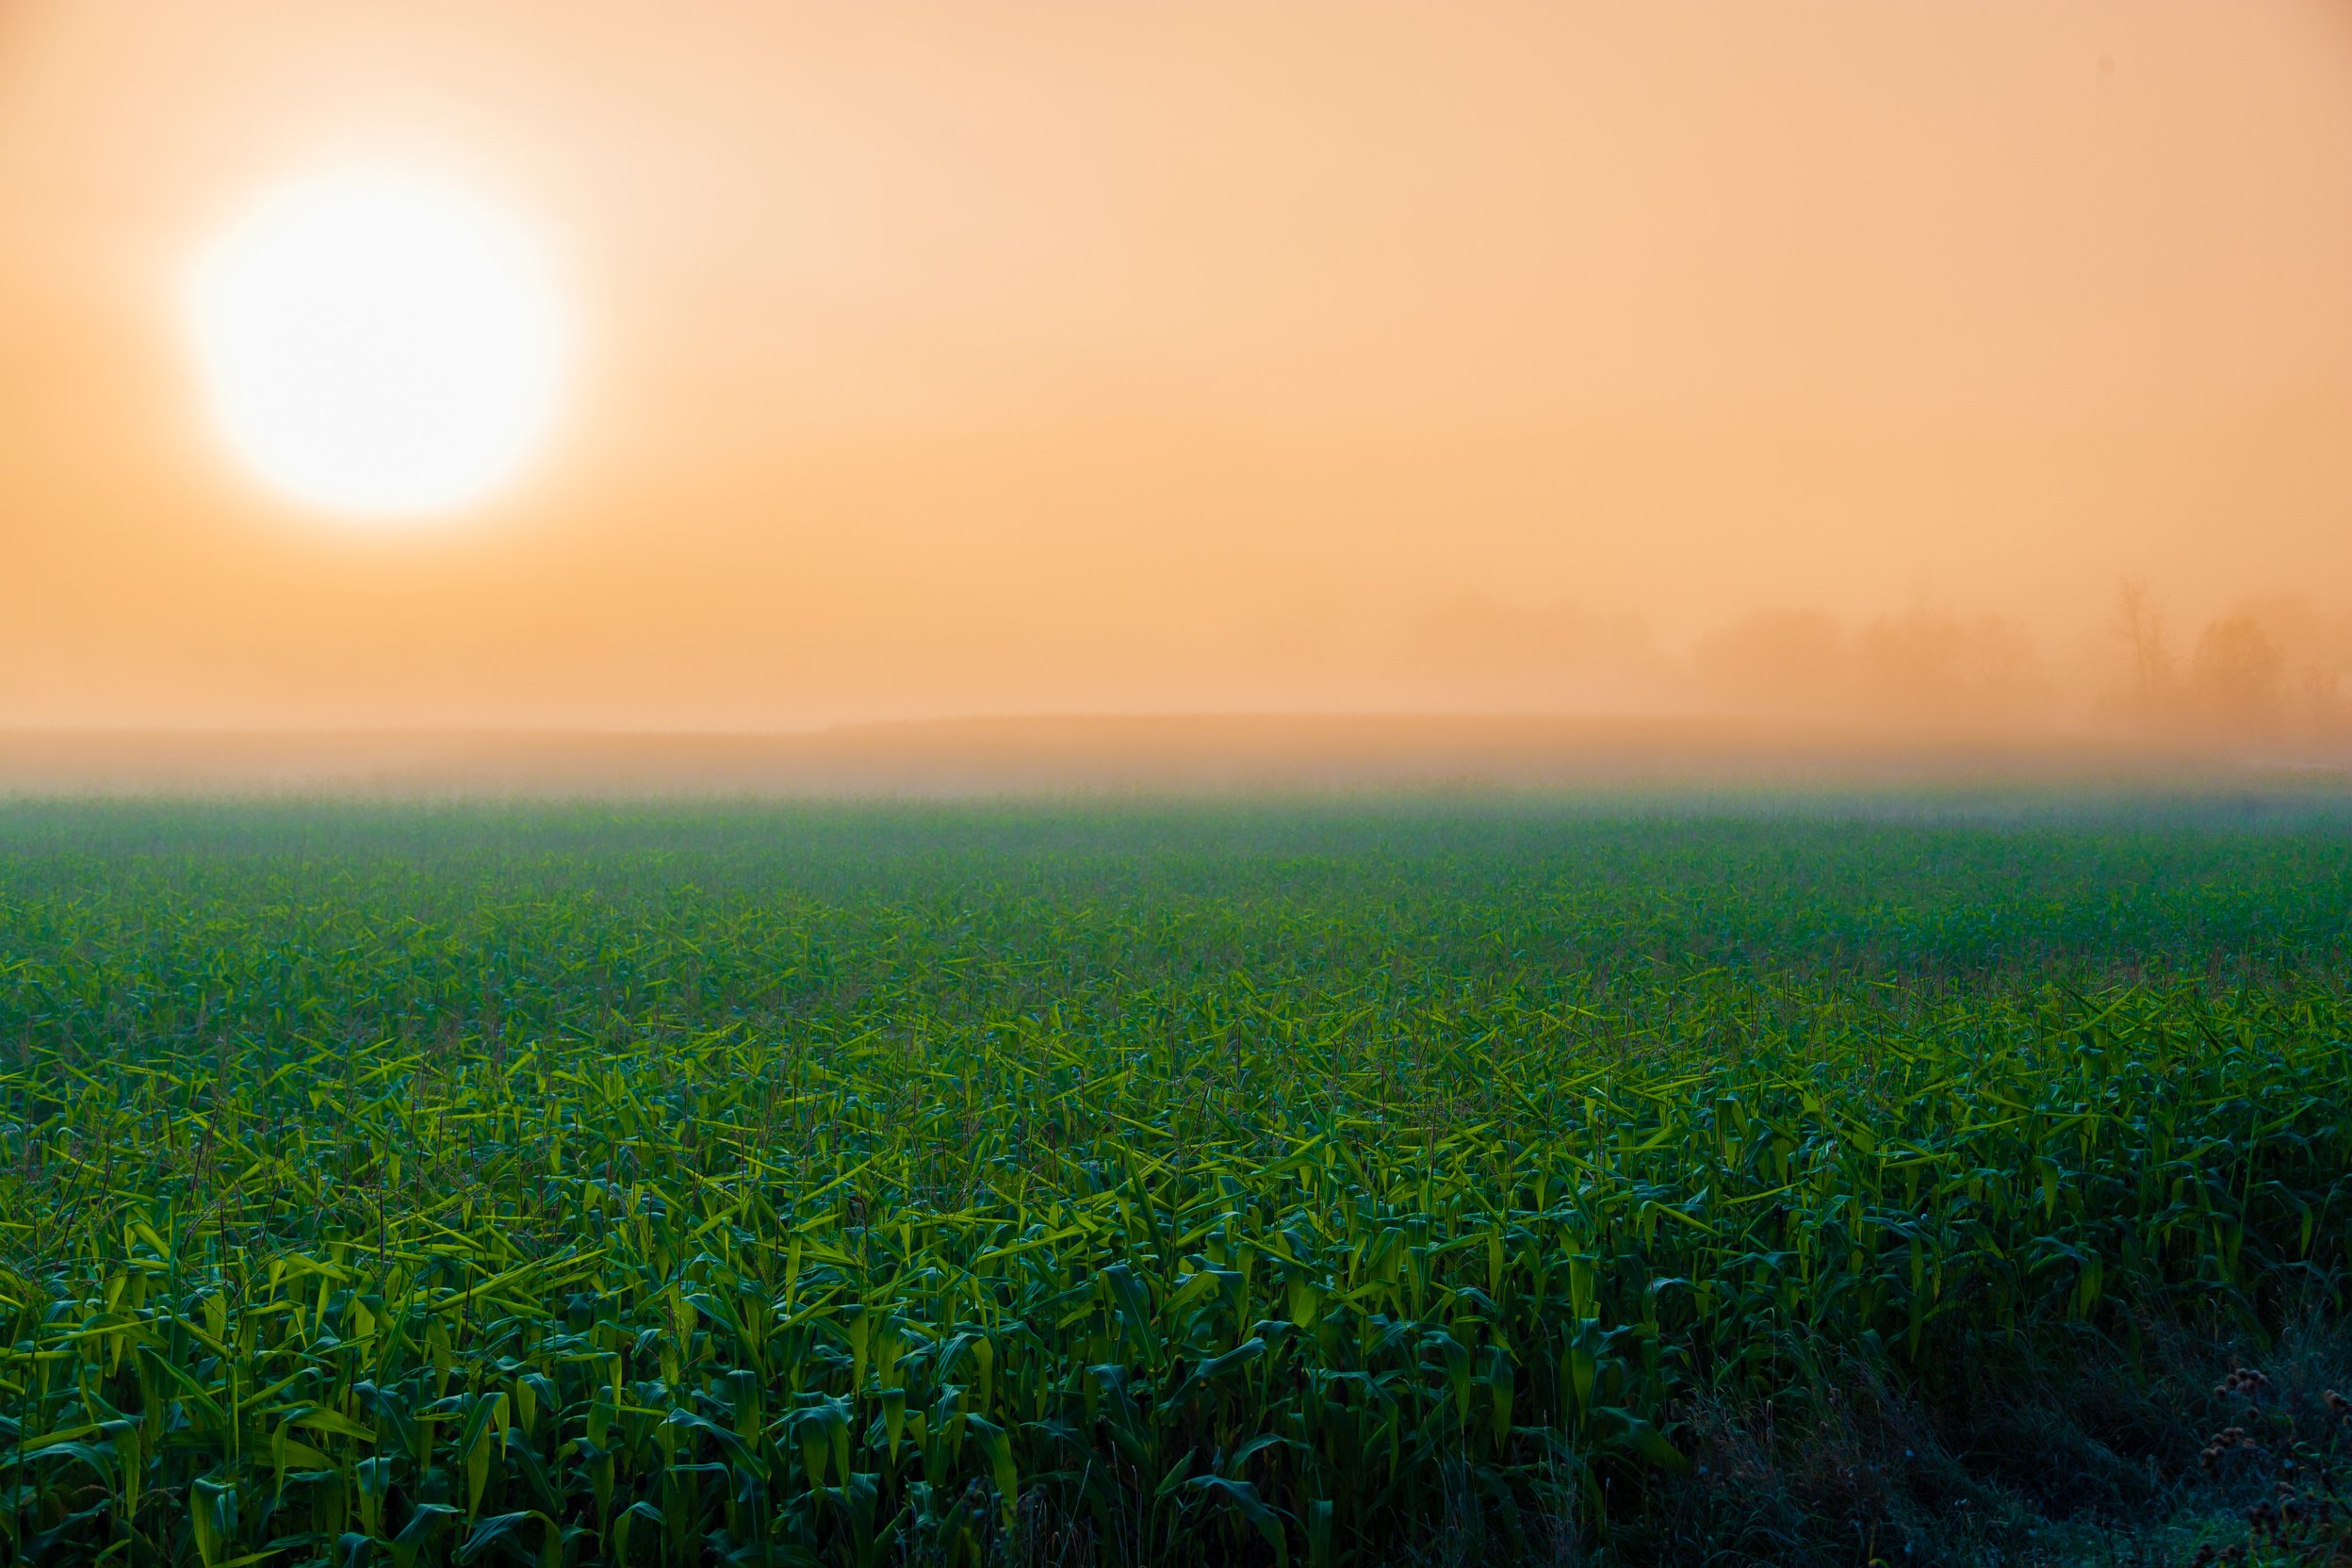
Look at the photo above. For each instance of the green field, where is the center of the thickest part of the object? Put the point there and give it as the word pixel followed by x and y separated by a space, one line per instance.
pixel 1304 1182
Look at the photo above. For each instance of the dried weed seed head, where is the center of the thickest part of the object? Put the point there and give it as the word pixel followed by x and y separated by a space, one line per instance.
pixel 2243 1380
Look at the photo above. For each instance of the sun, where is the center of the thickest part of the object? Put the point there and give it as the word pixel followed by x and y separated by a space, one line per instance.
pixel 379 345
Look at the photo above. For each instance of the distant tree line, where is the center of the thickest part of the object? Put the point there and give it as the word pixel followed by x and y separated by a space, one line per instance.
pixel 1927 663
pixel 2270 669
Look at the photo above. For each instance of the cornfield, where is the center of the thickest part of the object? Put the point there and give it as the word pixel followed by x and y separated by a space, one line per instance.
pixel 958 1185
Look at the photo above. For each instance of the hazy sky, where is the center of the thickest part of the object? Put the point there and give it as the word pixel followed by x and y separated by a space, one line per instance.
pixel 1089 356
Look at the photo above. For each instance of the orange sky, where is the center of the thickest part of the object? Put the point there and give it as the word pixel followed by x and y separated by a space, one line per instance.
pixel 981 358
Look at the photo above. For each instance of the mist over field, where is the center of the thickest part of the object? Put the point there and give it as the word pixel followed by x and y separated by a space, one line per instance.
pixel 1774 764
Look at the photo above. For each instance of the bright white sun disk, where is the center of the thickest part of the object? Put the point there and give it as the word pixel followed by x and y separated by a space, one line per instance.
pixel 378 345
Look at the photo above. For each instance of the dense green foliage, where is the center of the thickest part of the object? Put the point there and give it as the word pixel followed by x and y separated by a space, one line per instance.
pixel 870 1185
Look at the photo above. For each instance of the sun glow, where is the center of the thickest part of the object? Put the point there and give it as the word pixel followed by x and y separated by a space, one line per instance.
pixel 378 345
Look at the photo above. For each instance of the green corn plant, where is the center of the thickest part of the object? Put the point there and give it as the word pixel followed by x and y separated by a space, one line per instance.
pixel 833 1184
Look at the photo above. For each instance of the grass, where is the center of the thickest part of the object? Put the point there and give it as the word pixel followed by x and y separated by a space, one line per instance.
pixel 1140 1182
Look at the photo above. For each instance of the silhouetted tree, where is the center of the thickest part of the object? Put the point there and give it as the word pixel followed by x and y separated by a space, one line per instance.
pixel 2140 623
pixel 1929 663
pixel 2237 681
